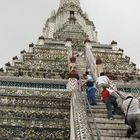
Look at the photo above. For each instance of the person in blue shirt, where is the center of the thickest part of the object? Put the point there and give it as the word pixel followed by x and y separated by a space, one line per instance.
pixel 91 90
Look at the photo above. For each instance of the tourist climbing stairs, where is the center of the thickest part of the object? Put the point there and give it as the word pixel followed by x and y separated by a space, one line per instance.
pixel 107 129
pixel 101 127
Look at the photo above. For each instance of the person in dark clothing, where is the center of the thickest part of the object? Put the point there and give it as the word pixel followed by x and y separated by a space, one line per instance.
pixel 110 102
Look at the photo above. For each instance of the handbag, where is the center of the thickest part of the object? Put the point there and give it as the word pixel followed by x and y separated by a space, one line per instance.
pixel 125 120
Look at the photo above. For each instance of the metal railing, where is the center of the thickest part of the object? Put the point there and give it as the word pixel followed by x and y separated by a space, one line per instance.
pixel 92 116
pixel 91 61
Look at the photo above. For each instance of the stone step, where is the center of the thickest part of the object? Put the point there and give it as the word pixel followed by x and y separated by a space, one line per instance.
pixel 98 106
pixel 107 121
pixel 110 129
pixel 110 126
pixel 116 138
pixel 99 110
pixel 99 103
pixel 32 114
pixel 105 116
pixel 34 109
pixel 48 123
pixel 102 112
pixel 34 102
pixel 112 133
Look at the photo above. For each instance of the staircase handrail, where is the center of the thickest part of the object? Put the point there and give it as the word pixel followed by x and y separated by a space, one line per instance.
pixel 91 60
pixel 93 117
pixel 123 94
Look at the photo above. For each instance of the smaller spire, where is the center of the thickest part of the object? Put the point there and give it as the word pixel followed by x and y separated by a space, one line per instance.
pixel 53 13
pixel 65 2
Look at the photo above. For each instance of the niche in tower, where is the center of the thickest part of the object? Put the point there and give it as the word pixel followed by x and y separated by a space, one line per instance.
pixel 71 13
pixel 72 17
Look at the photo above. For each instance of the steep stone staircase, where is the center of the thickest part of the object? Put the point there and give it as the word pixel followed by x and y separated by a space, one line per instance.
pixel 81 65
pixel 108 129
pixel 97 116
pixel 69 30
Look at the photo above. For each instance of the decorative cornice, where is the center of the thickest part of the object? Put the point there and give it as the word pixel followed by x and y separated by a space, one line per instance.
pixel 73 74
pixel 87 41
pixel 113 42
pixel 15 58
pixel 73 59
pixel 98 60
pixel 23 51
pixel 41 37
pixel 68 39
pixel 1 70
pixel 7 64
pixel 31 45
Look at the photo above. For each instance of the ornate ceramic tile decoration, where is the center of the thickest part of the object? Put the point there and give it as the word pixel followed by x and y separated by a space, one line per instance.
pixel 40 91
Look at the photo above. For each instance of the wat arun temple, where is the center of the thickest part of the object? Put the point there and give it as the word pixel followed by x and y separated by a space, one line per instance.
pixel 39 96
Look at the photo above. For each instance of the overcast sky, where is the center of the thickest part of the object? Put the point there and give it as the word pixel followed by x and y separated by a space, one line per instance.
pixel 21 23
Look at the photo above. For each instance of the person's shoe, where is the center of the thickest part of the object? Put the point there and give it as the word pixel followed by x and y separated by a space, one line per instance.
pixel 129 132
pixel 111 118
pixel 93 104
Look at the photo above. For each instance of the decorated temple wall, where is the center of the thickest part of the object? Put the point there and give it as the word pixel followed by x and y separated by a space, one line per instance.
pixel 34 114
pixel 50 30
pixel 46 29
pixel 13 92
pixel 32 80
pixel 89 29
pixel 113 62
pixel 90 33
pixel 115 65
pixel 50 61
pixel 81 21
pixel 59 21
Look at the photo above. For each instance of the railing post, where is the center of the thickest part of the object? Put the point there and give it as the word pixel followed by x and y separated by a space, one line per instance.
pixel 72 86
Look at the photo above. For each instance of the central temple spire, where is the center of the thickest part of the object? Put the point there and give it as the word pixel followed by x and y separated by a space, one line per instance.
pixel 64 2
